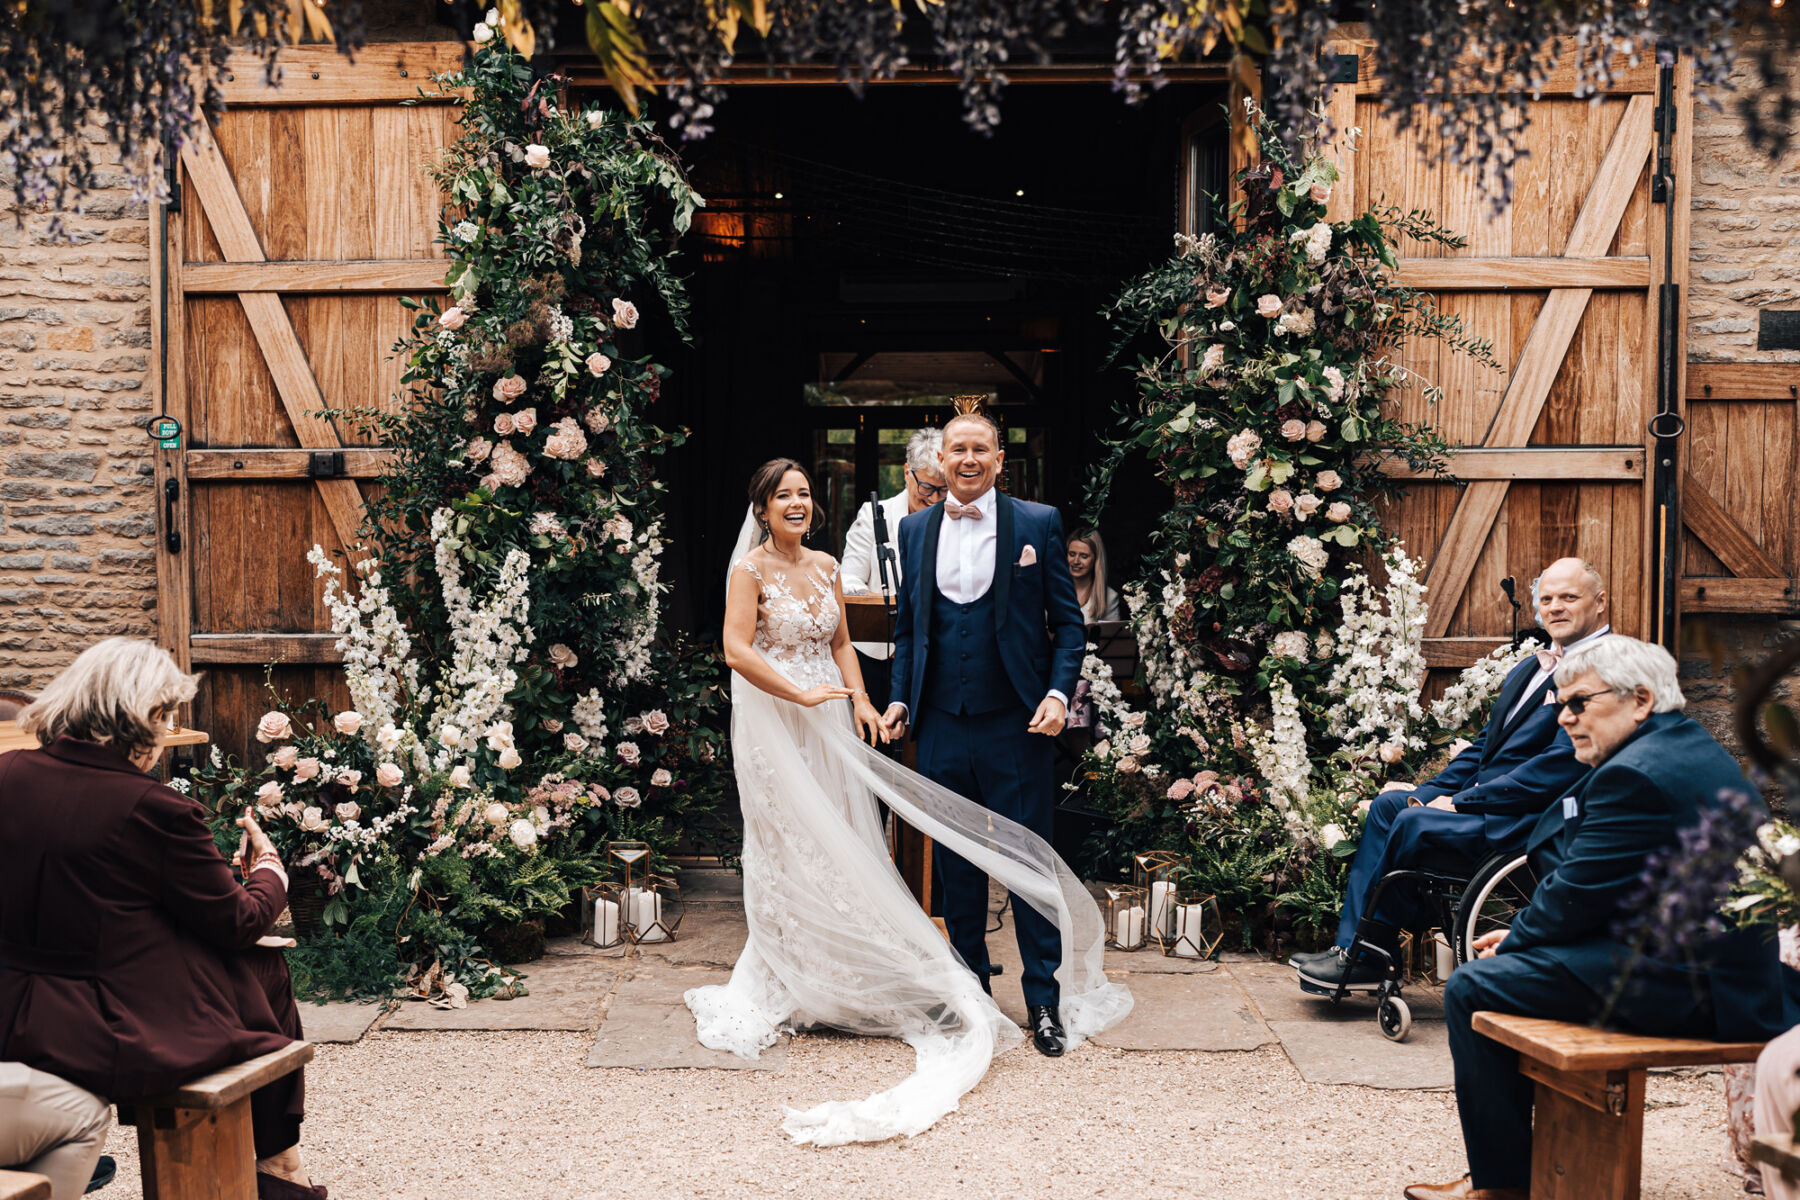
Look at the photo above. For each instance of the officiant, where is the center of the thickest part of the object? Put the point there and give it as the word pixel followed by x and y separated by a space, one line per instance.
pixel 860 570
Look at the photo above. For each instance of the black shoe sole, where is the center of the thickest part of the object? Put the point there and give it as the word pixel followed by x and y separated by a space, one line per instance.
pixel 1046 1052
pixel 1326 987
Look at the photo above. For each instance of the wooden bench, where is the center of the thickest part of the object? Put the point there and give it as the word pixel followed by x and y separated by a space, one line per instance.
pixel 194 1143
pixel 1587 1129
pixel 21 1185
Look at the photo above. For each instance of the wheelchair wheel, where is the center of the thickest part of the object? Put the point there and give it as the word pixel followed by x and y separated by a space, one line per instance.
pixel 1492 900
pixel 1395 1018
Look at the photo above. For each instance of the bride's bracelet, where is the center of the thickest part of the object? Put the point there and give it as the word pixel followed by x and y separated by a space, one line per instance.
pixel 860 692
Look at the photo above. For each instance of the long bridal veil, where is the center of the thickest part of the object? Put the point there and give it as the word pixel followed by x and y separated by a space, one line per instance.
pixel 837 940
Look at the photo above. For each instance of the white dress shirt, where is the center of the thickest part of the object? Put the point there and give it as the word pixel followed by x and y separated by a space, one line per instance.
pixel 966 548
pixel 1537 680
pixel 860 571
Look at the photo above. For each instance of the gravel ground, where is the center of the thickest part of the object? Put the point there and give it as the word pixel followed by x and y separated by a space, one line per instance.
pixel 443 1116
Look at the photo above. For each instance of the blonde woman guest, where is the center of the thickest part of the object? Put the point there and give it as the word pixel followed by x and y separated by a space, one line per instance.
pixel 1087 563
pixel 129 955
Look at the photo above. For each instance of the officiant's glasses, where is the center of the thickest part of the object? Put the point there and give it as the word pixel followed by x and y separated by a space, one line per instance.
pixel 1577 704
pixel 931 493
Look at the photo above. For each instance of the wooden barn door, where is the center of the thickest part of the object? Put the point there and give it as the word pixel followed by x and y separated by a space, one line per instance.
pixel 296 223
pixel 1556 458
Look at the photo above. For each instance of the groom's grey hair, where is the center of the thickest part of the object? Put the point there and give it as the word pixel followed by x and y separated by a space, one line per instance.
pixel 925 450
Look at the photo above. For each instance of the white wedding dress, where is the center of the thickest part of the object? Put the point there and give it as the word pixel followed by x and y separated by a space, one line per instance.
pixel 836 938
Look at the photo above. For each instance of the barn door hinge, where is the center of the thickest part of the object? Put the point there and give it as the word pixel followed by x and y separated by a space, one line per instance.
pixel 325 464
pixel 1662 184
pixel 1340 68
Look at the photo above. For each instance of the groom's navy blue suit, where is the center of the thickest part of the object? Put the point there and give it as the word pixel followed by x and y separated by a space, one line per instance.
pixel 972 675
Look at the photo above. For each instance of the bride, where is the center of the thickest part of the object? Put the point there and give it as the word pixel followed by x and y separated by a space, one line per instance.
pixel 836 938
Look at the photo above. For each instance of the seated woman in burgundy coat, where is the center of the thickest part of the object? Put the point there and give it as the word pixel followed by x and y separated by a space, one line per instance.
pixel 129 953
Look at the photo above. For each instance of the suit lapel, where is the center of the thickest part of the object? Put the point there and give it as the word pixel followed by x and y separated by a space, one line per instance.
pixel 927 569
pixel 1003 539
pixel 1502 721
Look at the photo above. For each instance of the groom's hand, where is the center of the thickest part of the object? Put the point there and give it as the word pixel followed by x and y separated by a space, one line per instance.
pixel 1050 717
pixel 894 720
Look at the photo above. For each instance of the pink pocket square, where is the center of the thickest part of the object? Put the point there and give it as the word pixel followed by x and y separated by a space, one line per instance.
pixel 1027 556
pixel 1550 696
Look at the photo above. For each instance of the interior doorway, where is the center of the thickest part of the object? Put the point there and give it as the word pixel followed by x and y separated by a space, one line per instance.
pixel 860 261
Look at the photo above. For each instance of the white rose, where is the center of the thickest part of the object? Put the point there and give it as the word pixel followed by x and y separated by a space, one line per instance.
pixel 349 810
pixel 312 819
pixel 563 657
pixel 523 834
pixel 389 775
pixel 537 157
pixel 347 723
pixel 596 117
pixel 627 797
pixel 625 314
pixel 495 814
pixel 1330 836
pixel 459 776
pixel 387 739
pixel 482 33
pixel 450 737
pixel 574 743
pixel 452 318
pixel 509 758
pixel 500 735
pixel 274 727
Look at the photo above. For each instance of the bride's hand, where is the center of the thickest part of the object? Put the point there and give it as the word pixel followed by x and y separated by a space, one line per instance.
pixel 823 694
pixel 868 721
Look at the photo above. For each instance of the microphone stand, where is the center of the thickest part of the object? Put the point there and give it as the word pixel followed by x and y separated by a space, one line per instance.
pixel 1510 587
pixel 884 560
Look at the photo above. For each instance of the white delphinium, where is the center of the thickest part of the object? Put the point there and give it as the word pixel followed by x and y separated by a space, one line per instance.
pixel 487 639
pixel 1381 661
pixel 1280 752
pixel 378 663
pixel 562 328
pixel 1477 683
pixel 590 717
pixel 1104 691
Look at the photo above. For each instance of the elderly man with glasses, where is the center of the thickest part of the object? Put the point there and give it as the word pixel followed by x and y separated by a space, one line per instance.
pixel 1654 773
pixel 1483 803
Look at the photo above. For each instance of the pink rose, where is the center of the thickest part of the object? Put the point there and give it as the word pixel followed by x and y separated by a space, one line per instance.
pixel 655 722
pixel 351 780
pixel 537 157
pixel 1181 789
pixel 284 758
pixel 1293 429
pixel 1319 192
pixel 1338 513
pixel 627 797
pixel 597 421
pixel 1268 306
pixel 347 722
pixel 625 314
pixel 274 727
pixel 524 421
pixel 349 810
pixel 452 318
pixel 629 753
pixel 1315 431
pixel 1216 297
pixel 598 363
pixel 269 794
pixel 478 451
pixel 503 424
pixel 389 775
pixel 305 769
pixel 1330 481
pixel 661 777
pixel 563 657
pixel 1306 504
pixel 508 389
pixel 1281 501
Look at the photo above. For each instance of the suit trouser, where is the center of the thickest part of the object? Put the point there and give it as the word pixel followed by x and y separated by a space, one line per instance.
pixel 1397 837
pixel 277 1108
pixel 50 1127
pixel 1493 1099
pixel 992 760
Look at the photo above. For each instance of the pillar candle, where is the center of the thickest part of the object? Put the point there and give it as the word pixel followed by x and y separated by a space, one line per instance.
pixel 1445 956
pixel 606 922
pixel 646 911
pixel 1189 924
pixel 1162 909
pixel 1128 932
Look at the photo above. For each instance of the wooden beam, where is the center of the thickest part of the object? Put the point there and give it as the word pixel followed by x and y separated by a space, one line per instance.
pixel 1743 381
pixel 1455 653
pixel 256 649
pixel 1719 594
pixel 1709 521
pixel 1524 273
pixel 286 361
pixel 396 275
pixel 381 73
pixel 359 463
pixel 583 73
pixel 1573 464
pixel 168 342
pixel 1542 357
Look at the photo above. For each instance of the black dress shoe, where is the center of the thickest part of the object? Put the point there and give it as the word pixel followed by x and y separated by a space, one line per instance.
pixel 1335 970
pixel 1312 958
pixel 1046 1030
pixel 104 1171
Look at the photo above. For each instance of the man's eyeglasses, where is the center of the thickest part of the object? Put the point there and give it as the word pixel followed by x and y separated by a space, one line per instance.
pixel 930 492
pixel 1577 704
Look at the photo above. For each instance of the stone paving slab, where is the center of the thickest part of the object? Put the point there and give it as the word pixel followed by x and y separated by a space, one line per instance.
pixel 337 1022
pixel 567 992
pixel 710 936
pixel 1340 1053
pixel 1187 1012
pixel 1275 990
pixel 648 1026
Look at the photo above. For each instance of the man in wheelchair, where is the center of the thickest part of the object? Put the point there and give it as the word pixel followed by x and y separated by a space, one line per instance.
pixel 1482 804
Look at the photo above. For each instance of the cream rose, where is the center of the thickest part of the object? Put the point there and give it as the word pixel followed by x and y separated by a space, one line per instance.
pixel 537 157
pixel 509 758
pixel 524 421
pixel 312 819
pixel 598 363
pixel 478 451
pixel 1315 431
pixel 305 769
pixel 625 314
pixel 654 722
pixel 351 780
pixel 523 834
pixel 459 776
pixel 627 797
pixel 661 777
pixel 1268 306
pixel 595 468
pixel 1338 513
pixel 274 727
pixel 508 389
pixel 628 753
pixel 349 810
pixel 1293 429
pixel 563 658
pixel 1281 501
pixel 495 814
pixel 503 425
pixel 347 722
pixel 482 33
pixel 1319 192
pixel 269 794
pixel 450 737
pixel 1330 481
pixel 285 758
pixel 574 743
pixel 1391 752
pixel 1216 297
pixel 389 775
pixel 1306 504
pixel 500 735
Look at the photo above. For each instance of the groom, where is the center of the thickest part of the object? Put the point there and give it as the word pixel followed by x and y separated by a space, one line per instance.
pixel 987 649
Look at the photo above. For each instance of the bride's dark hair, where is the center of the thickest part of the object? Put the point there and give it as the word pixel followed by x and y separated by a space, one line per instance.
pixel 765 481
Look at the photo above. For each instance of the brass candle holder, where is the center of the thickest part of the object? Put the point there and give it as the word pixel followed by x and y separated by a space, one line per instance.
pixel 1158 873
pixel 1127 918
pixel 1198 927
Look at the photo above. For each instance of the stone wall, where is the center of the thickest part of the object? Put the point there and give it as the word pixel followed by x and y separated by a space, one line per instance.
pixel 1745 231
pixel 77 515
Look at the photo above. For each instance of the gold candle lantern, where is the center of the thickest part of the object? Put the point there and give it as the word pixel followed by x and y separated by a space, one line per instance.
pixel 652 910
pixel 1127 919
pixel 1158 874
pixel 602 925
pixel 1198 926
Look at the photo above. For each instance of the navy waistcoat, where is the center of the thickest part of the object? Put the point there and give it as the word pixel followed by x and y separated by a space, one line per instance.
pixel 963 669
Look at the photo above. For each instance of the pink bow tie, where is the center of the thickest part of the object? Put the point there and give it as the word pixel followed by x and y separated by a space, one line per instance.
pixel 957 512
pixel 1547 659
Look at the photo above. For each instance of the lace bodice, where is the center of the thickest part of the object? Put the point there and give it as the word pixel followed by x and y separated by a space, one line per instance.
pixel 794 628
